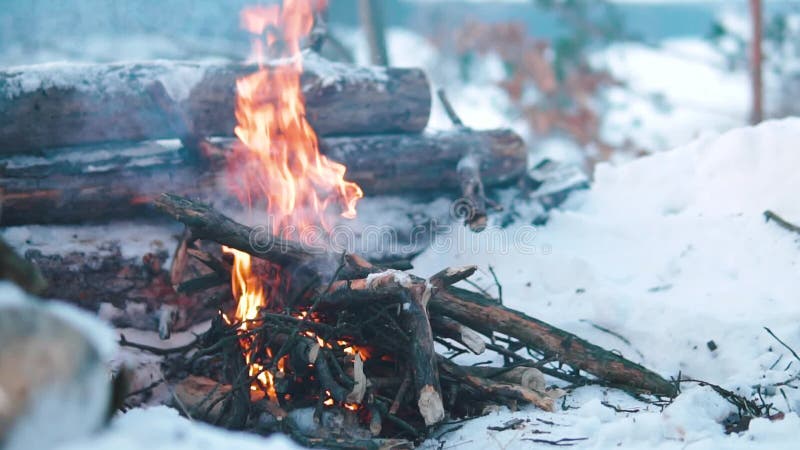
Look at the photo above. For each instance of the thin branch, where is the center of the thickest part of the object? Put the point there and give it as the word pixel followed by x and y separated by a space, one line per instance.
pixel 781 222
pixel 794 353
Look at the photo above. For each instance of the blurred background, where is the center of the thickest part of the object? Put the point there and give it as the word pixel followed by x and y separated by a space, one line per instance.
pixel 583 81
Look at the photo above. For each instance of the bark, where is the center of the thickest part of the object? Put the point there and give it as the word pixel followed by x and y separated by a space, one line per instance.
pixel 451 329
pixel 51 106
pixel 201 398
pixel 115 181
pixel 474 309
pixel 422 355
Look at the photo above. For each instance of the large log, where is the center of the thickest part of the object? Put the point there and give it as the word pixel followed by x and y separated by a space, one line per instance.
pixel 64 105
pixel 80 184
pixel 138 288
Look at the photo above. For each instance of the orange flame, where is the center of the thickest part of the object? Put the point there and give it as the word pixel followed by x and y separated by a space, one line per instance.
pixel 277 160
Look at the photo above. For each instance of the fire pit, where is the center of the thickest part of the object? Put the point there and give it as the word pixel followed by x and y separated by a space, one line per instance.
pixel 310 338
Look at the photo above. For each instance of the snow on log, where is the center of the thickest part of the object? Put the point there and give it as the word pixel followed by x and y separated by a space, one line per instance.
pixel 57 105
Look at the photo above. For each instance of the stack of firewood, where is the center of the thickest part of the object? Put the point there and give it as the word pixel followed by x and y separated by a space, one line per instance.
pixel 357 348
pixel 96 142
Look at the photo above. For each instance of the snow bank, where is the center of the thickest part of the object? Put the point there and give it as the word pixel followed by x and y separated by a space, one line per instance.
pixel 669 252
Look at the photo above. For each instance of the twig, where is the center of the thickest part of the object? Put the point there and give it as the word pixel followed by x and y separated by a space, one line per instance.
pixel 448 108
pixel 144 389
pixel 292 337
pixel 783 343
pixel 564 442
pixel 748 406
pixel 181 406
pixel 619 409
pixel 499 286
pixel 401 392
pixel 783 223
pixel 514 423
pixel 156 350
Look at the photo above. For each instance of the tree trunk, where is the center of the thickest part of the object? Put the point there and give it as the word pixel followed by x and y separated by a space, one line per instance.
pixel 757 62
pixel 371 14
pixel 46 106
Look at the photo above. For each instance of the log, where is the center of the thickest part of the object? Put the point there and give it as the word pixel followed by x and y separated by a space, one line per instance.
pixel 474 309
pixel 65 105
pixel 139 287
pixel 493 389
pixel 527 377
pixel 80 184
pixel 450 329
pixel 422 354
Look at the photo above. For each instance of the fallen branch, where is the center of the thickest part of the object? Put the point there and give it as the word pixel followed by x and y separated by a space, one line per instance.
pixel 474 309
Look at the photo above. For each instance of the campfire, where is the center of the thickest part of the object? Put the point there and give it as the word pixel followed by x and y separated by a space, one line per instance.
pixel 308 333
pixel 313 331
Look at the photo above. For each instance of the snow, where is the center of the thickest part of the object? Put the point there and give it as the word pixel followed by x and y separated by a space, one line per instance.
pixel 671 93
pixel 132 239
pixel 337 74
pixel 178 78
pixel 670 252
pixel 161 428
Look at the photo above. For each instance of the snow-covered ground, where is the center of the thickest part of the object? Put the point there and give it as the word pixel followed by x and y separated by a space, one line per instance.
pixel 661 256
pixel 671 93
pixel 670 252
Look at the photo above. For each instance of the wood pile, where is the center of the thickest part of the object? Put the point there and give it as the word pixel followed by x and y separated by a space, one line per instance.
pixel 86 142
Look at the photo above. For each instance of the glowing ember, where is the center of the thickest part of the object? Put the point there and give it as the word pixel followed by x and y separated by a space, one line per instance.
pixel 277 163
